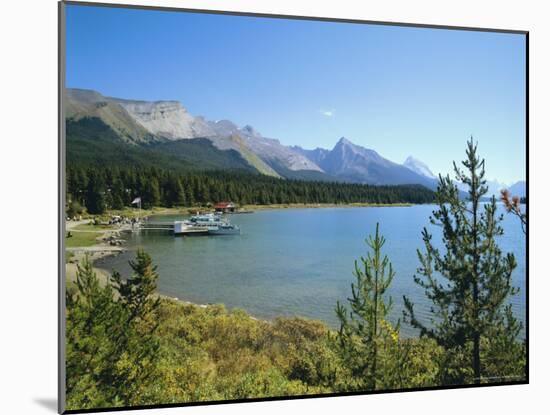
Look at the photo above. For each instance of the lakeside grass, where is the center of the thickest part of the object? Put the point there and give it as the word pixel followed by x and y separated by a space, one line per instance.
pixel 85 235
pixel 81 239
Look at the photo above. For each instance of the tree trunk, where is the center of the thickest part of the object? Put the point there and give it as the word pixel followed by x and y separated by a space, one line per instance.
pixel 475 280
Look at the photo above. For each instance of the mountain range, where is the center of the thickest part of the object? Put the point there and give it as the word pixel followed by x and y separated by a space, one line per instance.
pixel 164 131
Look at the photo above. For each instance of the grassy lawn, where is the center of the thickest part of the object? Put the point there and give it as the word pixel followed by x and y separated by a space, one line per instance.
pixel 81 239
pixel 86 238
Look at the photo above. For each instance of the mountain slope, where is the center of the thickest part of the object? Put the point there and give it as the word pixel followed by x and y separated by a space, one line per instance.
pixel 168 119
pixel 82 103
pixel 357 164
pixel 316 155
pixel 237 143
pixel 153 125
pixel 274 153
pixel 419 167
pixel 90 141
pixel 171 120
pixel 142 122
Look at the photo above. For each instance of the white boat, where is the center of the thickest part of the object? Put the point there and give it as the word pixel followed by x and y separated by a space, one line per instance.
pixel 225 229
pixel 209 224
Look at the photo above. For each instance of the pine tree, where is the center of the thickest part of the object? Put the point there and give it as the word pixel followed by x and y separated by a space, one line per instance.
pixel 179 196
pixel 468 280
pixel 112 347
pixel 95 193
pixel 150 192
pixel 153 192
pixel 94 321
pixel 138 291
pixel 365 333
pixel 117 193
pixel 137 346
pixel 189 196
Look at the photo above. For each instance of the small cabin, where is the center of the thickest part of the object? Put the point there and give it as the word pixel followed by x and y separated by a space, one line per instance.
pixel 225 207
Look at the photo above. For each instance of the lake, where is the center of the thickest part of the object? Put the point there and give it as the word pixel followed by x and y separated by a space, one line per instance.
pixel 298 261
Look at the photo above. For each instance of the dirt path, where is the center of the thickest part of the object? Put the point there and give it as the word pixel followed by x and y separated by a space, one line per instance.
pixel 70 224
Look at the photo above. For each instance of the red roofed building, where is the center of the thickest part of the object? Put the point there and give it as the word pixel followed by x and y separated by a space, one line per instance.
pixel 225 207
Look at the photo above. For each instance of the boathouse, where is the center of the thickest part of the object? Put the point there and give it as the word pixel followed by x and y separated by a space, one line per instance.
pixel 225 207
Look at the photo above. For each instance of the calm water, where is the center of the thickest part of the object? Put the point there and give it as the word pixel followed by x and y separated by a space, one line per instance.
pixel 298 261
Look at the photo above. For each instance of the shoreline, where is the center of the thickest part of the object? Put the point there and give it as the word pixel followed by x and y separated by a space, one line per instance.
pixel 102 249
pixel 186 210
pixel 104 274
pixel 98 250
pixel 323 206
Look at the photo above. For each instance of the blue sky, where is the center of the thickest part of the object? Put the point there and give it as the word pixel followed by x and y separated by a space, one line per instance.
pixel 400 91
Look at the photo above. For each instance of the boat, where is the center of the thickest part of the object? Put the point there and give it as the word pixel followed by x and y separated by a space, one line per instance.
pixel 205 224
pixel 225 229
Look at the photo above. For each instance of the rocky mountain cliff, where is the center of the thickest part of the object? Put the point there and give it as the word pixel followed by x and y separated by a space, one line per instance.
pixel 350 162
pixel 145 123
pixel 81 103
pixel 356 163
pixel 139 122
pixel 168 119
pixel 316 155
pixel 274 153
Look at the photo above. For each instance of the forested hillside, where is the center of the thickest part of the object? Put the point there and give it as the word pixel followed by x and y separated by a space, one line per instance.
pixel 102 188
pixel 91 142
pixel 104 172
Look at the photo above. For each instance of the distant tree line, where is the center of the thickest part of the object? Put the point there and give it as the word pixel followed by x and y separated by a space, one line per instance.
pixel 99 189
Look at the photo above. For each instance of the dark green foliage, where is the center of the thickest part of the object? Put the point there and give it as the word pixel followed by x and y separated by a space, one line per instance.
pixel 151 192
pixel 114 186
pixel 366 338
pixel 95 193
pixel 137 293
pixel 74 208
pixel 174 192
pixel 92 143
pixel 201 154
pixel 112 351
pixel 469 283
pixel 90 340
